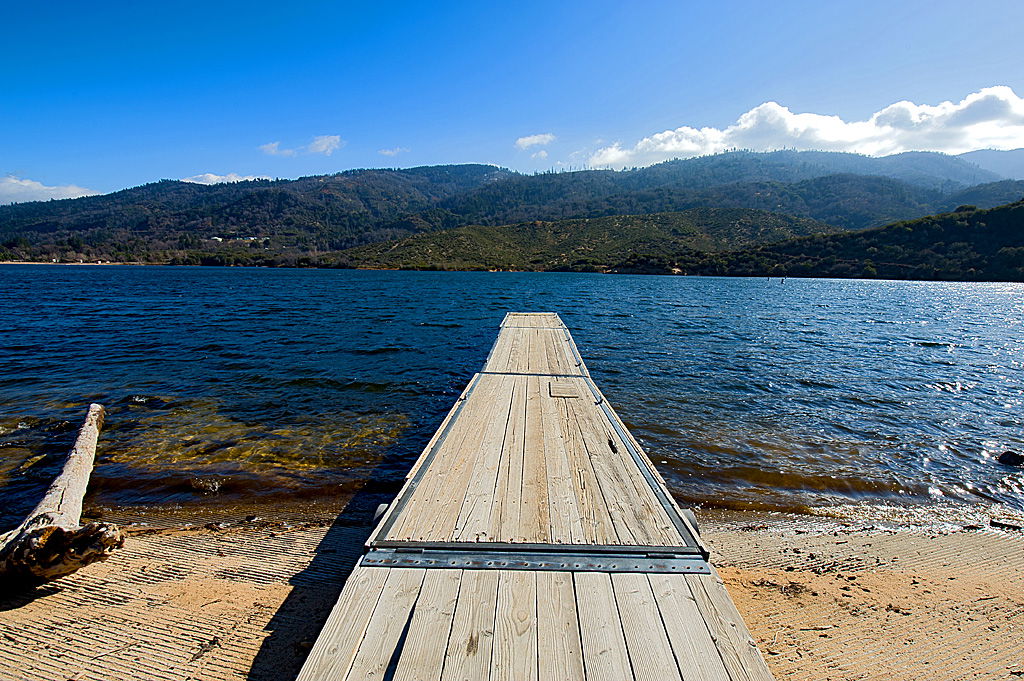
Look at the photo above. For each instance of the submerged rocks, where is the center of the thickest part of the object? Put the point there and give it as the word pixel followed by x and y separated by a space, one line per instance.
pixel 207 485
pixel 1009 458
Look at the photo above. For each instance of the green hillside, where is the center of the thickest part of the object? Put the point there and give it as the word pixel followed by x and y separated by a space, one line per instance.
pixel 966 245
pixel 589 244
pixel 970 245
pixel 987 195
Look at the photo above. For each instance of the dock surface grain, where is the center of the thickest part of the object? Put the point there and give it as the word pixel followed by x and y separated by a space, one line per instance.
pixel 534 540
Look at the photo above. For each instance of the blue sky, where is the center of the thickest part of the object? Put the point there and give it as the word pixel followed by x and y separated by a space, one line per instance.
pixel 100 97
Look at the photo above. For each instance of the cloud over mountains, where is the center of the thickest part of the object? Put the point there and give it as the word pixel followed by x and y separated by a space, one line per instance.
pixel 17 189
pixel 539 140
pixel 992 118
pixel 321 144
pixel 213 178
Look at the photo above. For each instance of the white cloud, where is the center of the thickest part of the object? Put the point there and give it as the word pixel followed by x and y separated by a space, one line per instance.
pixel 321 144
pixel 212 178
pixel 535 140
pixel 542 154
pixel 325 144
pixel 274 149
pixel 16 190
pixel 393 152
pixel 992 118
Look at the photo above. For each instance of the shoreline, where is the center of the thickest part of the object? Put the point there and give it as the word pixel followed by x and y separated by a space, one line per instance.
pixel 922 515
pixel 77 264
pixel 244 597
pixel 503 271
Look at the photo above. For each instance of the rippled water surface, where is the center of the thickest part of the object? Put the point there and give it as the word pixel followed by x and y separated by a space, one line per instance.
pixel 250 383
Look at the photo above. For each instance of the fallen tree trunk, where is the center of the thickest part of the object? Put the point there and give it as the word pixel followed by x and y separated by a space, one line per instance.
pixel 51 542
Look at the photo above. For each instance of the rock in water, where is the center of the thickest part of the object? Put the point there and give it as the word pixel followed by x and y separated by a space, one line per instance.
pixel 1011 459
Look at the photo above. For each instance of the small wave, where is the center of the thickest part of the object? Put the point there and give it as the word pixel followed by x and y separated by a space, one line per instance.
pixel 366 386
pixel 933 344
pixel 950 386
pixel 379 351
pixel 310 382
pixel 811 383
pixel 21 348
pixel 149 401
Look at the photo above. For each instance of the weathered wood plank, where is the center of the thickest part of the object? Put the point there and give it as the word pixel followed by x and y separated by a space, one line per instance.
pixel 559 651
pixel 534 512
pixel 605 657
pixel 474 519
pixel 385 628
pixel 650 652
pixel 468 655
pixel 332 654
pixel 435 506
pixel 733 640
pixel 639 517
pixel 515 627
pixel 462 459
pixel 508 499
pixel 423 655
pixel 602 458
pixel 564 515
pixel 596 520
pixel 695 650
pixel 651 468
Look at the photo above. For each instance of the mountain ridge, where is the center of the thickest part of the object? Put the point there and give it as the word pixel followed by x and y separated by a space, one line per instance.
pixel 310 215
pixel 1009 163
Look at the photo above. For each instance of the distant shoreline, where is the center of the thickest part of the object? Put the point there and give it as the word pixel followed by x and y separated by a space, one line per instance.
pixel 79 264
pixel 766 275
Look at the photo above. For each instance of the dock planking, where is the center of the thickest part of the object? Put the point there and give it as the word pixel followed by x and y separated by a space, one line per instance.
pixel 534 540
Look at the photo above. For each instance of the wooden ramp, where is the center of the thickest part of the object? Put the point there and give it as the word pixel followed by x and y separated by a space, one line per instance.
pixel 533 540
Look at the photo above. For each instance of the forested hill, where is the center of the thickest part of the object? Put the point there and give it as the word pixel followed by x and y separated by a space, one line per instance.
pixel 328 212
pixel 297 220
pixel 970 244
pixel 967 245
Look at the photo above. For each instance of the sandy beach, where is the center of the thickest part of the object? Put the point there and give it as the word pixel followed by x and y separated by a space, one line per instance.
pixel 230 596
pixel 838 602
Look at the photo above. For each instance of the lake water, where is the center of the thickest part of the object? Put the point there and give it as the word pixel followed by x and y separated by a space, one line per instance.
pixel 249 384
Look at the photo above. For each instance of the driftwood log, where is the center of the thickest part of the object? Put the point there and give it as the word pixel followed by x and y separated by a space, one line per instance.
pixel 51 542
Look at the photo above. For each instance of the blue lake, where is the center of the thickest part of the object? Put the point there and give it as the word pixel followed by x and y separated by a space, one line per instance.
pixel 250 384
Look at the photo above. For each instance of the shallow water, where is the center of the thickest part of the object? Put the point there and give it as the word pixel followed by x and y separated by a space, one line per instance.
pixel 252 383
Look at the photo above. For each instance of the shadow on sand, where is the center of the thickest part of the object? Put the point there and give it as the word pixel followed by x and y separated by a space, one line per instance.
pixel 297 623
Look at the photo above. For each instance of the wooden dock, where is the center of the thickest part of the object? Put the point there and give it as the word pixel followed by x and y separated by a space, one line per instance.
pixel 533 540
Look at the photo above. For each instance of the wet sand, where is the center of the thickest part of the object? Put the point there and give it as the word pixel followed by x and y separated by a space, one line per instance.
pixel 243 597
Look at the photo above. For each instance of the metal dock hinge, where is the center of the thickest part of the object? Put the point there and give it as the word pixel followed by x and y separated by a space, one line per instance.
pixel 560 558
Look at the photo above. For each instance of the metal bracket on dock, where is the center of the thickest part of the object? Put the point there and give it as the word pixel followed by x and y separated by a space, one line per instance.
pixel 535 560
